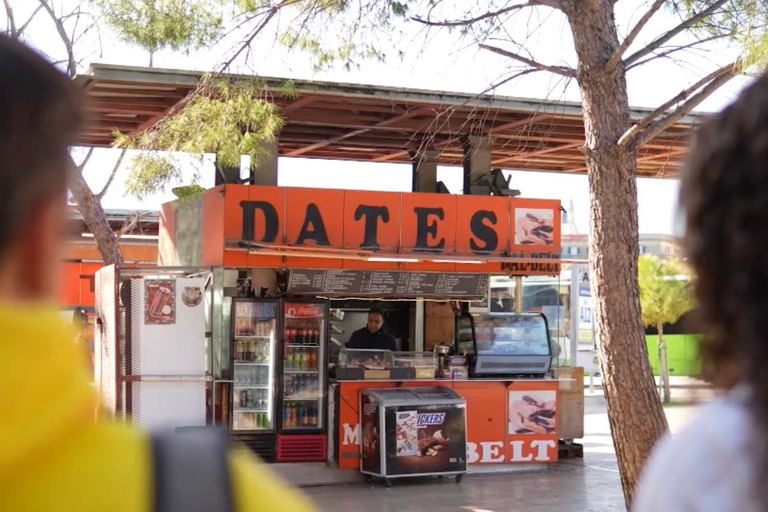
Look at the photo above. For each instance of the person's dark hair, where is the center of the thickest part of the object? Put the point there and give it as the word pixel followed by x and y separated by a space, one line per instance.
pixel 376 311
pixel 40 112
pixel 724 198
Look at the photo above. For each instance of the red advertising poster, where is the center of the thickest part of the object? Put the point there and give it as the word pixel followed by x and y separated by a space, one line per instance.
pixel 159 301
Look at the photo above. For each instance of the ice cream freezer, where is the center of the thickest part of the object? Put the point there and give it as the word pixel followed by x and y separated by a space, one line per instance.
pixel 414 431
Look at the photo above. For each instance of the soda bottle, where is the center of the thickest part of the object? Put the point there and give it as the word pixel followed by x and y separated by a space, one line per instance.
pixel 286 415
pixel 292 420
pixel 316 337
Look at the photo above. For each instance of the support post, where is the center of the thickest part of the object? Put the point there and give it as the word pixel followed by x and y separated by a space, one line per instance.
pixel 477 160
pixel 424 170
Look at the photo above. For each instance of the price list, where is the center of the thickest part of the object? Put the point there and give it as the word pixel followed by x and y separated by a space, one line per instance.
pixel 387 283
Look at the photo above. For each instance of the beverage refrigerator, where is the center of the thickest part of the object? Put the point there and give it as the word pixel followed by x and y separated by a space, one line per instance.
pixel 279 369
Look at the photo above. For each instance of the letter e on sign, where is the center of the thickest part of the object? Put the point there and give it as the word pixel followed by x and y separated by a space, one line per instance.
pixel 428 222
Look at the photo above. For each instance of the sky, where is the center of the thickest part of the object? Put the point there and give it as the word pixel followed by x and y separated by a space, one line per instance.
pixel 443 62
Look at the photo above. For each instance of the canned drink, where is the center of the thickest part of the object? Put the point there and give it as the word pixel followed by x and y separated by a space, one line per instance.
pixel 162 295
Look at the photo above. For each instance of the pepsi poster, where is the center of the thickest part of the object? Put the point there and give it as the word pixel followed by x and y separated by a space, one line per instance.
pixel 425 439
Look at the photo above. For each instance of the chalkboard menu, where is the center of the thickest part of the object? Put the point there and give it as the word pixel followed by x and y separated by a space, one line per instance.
pixel 379 283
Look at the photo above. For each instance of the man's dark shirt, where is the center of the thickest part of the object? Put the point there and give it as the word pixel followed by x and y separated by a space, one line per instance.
pixel 365 339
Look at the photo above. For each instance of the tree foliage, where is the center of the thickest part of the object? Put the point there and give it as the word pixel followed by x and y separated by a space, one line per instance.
pixel 179 25
pixel 229 118
pixel 665 290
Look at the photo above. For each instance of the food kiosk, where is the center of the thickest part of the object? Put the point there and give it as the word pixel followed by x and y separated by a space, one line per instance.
pixel 277 259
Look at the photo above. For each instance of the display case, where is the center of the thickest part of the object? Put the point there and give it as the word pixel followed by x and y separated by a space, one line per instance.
pixel 253 350
pixel 305 331
pixel 363 364
pixel 510 344
pixel 424 365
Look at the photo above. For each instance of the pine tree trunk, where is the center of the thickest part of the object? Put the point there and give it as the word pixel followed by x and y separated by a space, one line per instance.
pixel 664 366
pixel 634 411
pixel 89 206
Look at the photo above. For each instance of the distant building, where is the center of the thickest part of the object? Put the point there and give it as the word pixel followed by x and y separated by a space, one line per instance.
pixel 577 246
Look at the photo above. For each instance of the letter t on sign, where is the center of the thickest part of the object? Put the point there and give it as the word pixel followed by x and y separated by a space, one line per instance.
pixel 372 215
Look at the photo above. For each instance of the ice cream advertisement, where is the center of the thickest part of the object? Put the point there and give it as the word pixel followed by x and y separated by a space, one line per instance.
pixel 426 439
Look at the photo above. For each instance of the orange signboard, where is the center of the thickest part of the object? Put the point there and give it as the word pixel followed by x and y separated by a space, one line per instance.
pixel 302 227
pixel 507 422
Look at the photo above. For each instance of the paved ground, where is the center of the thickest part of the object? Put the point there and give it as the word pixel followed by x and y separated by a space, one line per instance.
pixel 591 484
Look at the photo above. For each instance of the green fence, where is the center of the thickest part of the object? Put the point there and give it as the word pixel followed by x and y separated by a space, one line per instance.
pixel 682 353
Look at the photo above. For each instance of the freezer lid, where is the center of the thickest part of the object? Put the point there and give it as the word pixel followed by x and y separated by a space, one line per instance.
pixel 414 396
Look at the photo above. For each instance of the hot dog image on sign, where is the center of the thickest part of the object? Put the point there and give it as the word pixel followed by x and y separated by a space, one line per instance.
pixel 159 302
pixel 532 412
pixel 534 226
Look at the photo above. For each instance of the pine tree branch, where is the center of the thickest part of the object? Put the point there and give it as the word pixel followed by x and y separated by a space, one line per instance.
pixel 71 63
pixel 481 17
pixel 649 127
pixel 11 18
pixel 21 29
pixel 79 167
pixel 101 194
pixel 558 70
pixel 661 40
pixel 676 49
pixel 616 57
pixel 130 225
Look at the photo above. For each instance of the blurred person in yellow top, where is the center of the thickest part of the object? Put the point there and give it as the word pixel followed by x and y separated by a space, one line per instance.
pixel 53 455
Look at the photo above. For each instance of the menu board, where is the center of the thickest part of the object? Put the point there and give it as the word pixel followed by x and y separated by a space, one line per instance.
pixel 387 283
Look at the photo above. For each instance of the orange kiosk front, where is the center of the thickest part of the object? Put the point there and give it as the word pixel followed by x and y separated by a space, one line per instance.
pixel 322 244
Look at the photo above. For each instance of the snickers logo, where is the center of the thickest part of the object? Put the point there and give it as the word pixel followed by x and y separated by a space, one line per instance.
pixel 433 418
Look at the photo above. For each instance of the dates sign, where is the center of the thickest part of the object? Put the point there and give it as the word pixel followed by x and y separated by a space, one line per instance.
pixel 379 283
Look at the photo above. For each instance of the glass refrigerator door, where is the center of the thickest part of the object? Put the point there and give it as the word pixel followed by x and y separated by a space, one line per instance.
pixel 255 333
pixel 304 365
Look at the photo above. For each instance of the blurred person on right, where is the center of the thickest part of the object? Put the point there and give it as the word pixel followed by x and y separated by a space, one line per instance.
pixel 719 462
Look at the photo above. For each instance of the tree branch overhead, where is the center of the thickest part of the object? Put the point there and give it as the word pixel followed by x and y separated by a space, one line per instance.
pixel 649 127
pixel 682 27
pixel 616 57
pixel 558 70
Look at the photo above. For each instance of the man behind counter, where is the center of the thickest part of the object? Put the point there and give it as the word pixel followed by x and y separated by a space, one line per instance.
pixel 372 336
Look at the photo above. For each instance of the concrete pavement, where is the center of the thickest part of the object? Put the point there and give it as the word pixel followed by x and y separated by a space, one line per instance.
pixel 583 485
